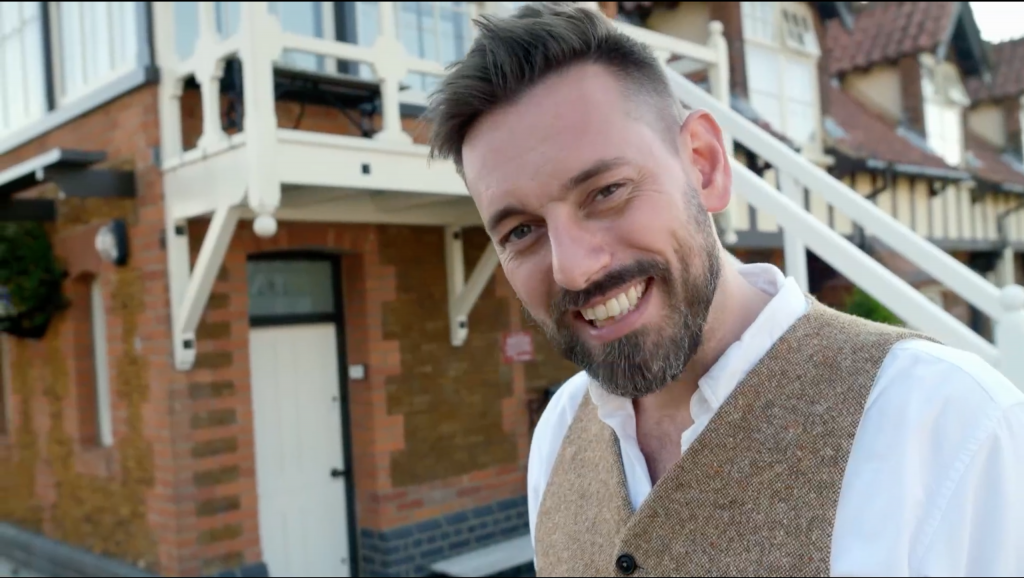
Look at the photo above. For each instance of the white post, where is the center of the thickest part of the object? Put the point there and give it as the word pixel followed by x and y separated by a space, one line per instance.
pixel 718 78
pixel 1009 334
pixel 1020 119
pixel 171 88
pixel 1007 267
pixel 209 71
pixel 389 64
pixel 794 249
pixel 261 46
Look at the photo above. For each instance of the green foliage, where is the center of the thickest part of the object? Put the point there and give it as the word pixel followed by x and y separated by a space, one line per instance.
pixel 30 280
pixel 863 305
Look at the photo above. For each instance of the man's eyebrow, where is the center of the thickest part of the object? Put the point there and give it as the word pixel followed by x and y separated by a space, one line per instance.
pixel 503 213
pixel 594 170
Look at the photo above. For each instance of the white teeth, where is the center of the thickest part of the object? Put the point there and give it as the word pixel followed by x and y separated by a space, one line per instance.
pixel 616 306
pixel 613 307
pixel 623 302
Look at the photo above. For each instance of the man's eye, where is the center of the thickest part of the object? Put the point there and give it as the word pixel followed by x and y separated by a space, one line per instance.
pixel 608 191
pixel 519 232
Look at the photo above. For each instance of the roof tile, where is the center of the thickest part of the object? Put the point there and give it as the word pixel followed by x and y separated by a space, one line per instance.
pixel 860 133
pixel 1007 73
pixel 991 164
pixel 887 31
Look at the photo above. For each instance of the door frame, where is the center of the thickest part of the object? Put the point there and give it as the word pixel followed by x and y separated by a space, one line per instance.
pixel 338 318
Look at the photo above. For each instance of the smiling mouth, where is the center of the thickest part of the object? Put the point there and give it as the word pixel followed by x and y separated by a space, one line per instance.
pixel 616 307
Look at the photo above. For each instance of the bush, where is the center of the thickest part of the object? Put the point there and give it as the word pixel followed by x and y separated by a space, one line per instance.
pixel 863 305
pixel 30 280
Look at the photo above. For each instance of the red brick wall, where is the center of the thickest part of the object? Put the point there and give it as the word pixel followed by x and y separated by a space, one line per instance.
pixel 177 491
pixel 373 269
pixel 120 501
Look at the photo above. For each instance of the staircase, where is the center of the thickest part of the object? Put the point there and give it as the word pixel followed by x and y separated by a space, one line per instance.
pixel 803 231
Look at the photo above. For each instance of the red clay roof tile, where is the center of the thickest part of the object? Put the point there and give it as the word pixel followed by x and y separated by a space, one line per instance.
pixel 1007 73
pixel 991 165
pixel 871 136
pixel 887 31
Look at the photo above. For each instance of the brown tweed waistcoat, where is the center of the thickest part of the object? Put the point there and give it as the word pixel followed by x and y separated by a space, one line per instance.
pixel 756 493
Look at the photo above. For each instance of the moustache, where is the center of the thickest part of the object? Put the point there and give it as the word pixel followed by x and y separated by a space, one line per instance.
pixel 569 300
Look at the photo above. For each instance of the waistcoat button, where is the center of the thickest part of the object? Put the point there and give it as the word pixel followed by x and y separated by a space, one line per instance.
pixel 626 564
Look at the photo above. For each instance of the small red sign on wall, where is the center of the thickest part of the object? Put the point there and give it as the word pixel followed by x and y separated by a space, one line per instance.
pixel 517 346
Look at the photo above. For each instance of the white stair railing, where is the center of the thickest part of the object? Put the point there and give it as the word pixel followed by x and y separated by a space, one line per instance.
pixel 1004 306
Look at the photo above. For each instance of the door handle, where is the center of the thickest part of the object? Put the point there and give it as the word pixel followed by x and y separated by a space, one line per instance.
pixel 337 473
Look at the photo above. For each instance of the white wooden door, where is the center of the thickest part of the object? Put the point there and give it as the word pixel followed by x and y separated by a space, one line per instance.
pixel 300 465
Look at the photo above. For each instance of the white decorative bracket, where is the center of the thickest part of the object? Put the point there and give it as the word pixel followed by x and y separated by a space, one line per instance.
pixel 463 293
pixel 190 288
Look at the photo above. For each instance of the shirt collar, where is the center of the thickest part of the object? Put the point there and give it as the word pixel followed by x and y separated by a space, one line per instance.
pixel 786 306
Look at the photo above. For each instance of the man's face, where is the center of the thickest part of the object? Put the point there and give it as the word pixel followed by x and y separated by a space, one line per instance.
pixel 601 224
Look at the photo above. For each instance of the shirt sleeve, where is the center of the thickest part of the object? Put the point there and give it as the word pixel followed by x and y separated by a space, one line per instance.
pixel 980 531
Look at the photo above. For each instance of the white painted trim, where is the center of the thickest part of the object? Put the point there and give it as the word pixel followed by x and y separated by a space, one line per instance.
pixel 190 290
pixel 463 293
pixel 101 364
pixel 208 263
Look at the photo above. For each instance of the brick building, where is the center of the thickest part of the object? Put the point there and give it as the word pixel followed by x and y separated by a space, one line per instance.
pixel 299 368
pixel 406 449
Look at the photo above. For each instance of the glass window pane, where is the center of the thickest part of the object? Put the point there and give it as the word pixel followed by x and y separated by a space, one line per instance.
pixel 126 41
pixel 13 91
pixel 229 18
pixel 763 69
pixel 10 17
pixel 799 84
pixel 367 30
pixel 96 21
pixel 34 68
pixel 799 122
pixel 71 46
pixel 186 28
pixel 280 288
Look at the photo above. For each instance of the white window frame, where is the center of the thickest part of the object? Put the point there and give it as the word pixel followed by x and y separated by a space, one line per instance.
pixel 101 364
pixel 415 94
pixel 63 94
pixel 33 106
pixel 786 49
pixel 228 24
pixel 944 96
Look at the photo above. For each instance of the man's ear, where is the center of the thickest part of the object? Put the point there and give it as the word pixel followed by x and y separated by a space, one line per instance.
pixel 703 151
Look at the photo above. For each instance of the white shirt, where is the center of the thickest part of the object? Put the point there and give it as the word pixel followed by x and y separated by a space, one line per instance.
pixel 934 485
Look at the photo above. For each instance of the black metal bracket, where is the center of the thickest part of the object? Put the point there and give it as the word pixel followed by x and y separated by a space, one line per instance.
pixel 38 210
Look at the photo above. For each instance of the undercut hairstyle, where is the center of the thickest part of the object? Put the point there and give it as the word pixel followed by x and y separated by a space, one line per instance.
pixel 512 54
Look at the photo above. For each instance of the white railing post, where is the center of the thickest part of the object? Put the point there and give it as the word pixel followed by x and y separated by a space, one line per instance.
pixel 1009 334
pixel 794 249
pixel 718 78
pixel 1020 119
pixel 209 71
pixel 389 64
pixel 171 87
pixel 261 45
pixel 1007 271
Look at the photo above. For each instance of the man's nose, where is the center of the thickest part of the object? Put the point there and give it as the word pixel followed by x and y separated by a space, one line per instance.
pixel 578 257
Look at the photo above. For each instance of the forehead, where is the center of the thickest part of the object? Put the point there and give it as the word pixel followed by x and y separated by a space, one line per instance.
pixel 530 148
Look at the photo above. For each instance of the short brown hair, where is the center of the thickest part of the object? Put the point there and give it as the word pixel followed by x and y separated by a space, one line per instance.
pixel 513 54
